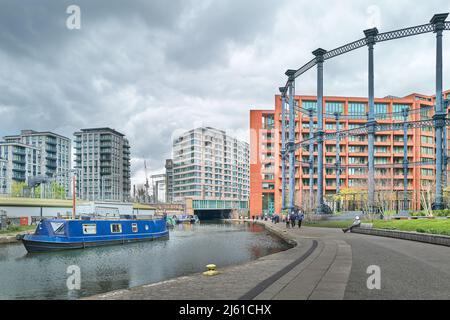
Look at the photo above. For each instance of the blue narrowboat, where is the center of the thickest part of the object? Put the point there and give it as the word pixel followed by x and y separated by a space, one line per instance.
pixel 61 234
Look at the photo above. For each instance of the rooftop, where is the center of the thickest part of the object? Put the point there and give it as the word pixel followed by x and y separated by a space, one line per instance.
pixel 100 130
pixel 29 132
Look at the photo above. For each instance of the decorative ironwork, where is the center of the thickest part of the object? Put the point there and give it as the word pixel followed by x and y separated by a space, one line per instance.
pixel 364 117
pixel 305 68
pixel 394 165
pixel 345 48
pixel 406 32
pixel 385 36
pixel 363 130
pixel 437 24
pixel 300 144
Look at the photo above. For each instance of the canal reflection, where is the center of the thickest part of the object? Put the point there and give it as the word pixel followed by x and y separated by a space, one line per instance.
pixel 189 249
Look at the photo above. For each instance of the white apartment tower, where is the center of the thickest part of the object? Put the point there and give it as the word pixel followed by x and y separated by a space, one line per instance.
pixel 102 156
pixel 209 165
pixel 54 157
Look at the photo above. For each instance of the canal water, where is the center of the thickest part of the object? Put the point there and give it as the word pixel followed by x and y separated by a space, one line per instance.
pixel 189 249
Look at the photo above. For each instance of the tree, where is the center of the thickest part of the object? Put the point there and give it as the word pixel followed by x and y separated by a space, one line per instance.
pixel 426 197
pixel 17 189
pixel 37 192
pixel 58 191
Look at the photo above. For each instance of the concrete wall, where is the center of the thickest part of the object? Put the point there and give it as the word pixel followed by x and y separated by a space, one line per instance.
pixel 413 236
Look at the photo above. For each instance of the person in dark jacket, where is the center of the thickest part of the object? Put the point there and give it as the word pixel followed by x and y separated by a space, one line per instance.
pixel 301 216
pixel 292 218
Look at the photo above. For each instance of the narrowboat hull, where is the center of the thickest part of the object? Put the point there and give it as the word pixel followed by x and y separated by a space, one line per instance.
pixel 34 246
pixel 58 235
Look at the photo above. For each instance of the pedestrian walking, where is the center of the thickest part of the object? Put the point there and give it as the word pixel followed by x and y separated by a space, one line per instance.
pixel 287 221
pixel 292 219
pixel 301 216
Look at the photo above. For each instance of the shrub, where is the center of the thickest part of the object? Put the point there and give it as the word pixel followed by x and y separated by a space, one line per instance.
pixel 442 213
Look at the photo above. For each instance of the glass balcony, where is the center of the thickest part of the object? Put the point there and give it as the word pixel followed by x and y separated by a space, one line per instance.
pixel 51 142
pixel 19 151
pixel 19 160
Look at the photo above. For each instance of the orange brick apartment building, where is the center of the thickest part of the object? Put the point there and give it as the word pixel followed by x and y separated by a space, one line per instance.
pixel 265 147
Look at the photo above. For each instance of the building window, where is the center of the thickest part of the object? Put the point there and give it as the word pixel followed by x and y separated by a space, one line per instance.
pixel 268 203
pixel 268 186
pixel 332 107
pixel 381 149
pixel 116 228
pixel 357 109
pixel 381 110
pixel 309 105
pixel 427 172
pixel 426 150
pixel 381 160
pixel 398 109
pixel 268 122
pixel 427 140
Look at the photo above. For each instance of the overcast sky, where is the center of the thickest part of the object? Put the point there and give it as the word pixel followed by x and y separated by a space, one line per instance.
pixel 152 69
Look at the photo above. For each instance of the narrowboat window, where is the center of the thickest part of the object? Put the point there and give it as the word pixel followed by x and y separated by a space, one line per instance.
pixel 134 227
pixel 89 229
pixel 58 227
pixel 60 230
pixel 116 228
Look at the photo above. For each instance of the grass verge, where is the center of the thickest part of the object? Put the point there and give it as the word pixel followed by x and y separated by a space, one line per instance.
pixel 433 226
pixel 16 230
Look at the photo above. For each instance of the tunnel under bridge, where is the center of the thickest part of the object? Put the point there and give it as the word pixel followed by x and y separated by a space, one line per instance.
pixel 218 209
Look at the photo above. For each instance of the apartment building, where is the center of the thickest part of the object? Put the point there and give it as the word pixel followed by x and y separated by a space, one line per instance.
pixel 102 156
pixel 265 142
pixel 54 157
pixel 18 162
pixel 210 165
pixel 169 180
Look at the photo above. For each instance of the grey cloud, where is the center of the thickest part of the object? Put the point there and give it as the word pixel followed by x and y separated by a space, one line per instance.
pixel 154 68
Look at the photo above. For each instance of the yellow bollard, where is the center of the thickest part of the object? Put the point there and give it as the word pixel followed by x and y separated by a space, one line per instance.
pixel 211 270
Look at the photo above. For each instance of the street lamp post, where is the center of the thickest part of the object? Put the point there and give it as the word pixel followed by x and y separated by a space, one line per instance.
pixel 371 123
pixel 318 53
pixel 283 147
pixel 405 160
pixel 291 76
pixel 438 21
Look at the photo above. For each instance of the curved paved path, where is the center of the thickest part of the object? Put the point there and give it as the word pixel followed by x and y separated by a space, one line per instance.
pixel 326 264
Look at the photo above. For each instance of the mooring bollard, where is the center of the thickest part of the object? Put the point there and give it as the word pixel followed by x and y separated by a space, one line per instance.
pixel 211 270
